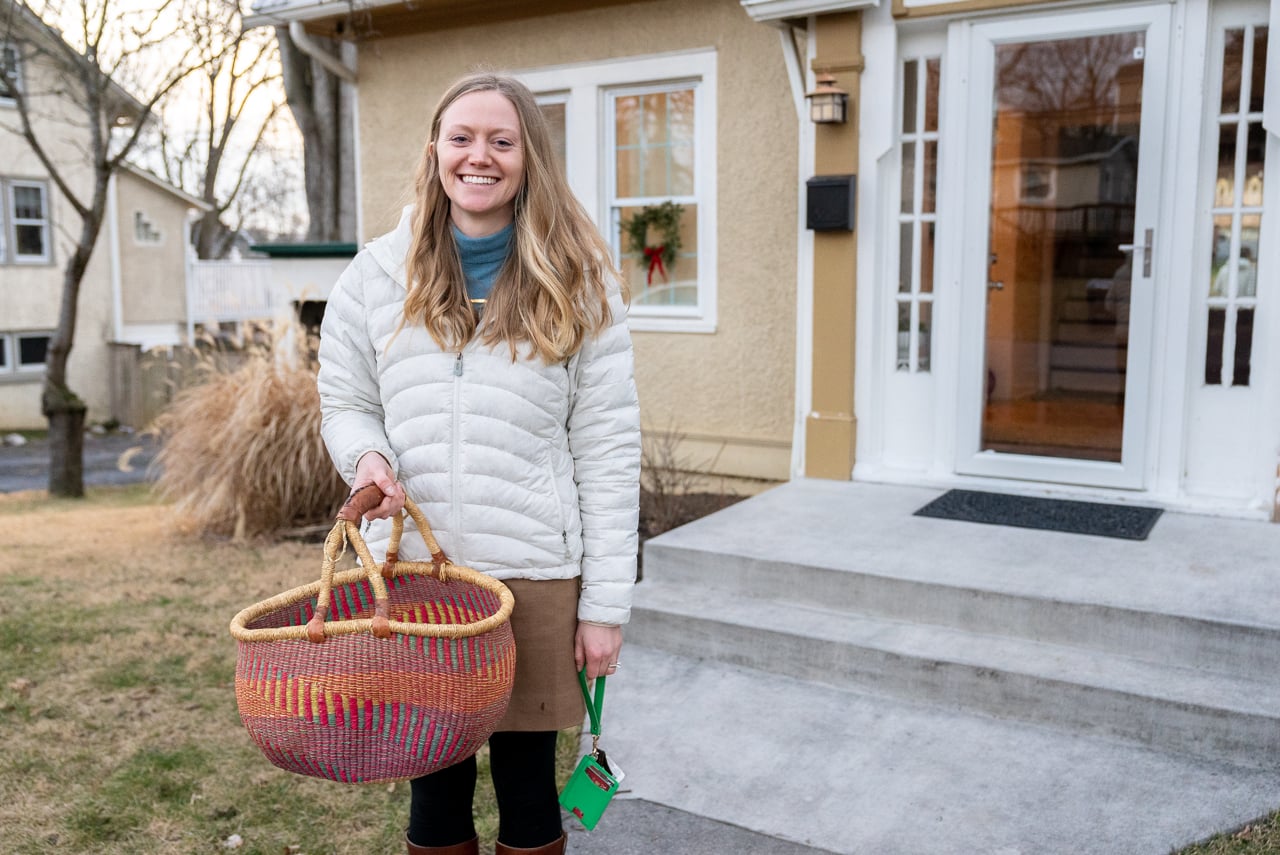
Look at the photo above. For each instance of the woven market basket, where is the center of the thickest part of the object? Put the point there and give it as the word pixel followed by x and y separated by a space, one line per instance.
pixel 412 676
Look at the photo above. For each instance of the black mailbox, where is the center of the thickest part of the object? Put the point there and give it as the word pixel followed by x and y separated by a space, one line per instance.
pixel 830 206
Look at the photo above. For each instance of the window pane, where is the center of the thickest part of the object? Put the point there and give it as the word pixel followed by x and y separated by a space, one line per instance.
pixel 627 120
pixel 1259 69
pixel 926 326
pixel 1244 345
pixel 655 278
pixel 28 203
pixel 933 75
pixel 904 336
pixel 1247 281
pixel 926 257
pixel 1232 59
pixel 905 247
pixel 32 349
pixel 909 89
pixel 629 183
pixel 4 353
pixel 30 239
pixel 680 114
pixel 930 190
pixel 1221 255
pixel 554 114
pixel 1255 153
pixel 908 177
pixel 1225 191
pixel 1213 347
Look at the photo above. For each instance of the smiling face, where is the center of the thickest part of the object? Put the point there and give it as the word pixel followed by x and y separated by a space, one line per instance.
pixel 481 161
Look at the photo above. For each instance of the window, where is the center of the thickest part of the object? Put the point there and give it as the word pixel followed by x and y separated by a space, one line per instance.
pixel 9 73
pixel 145 231
pixel 653 203
pixel 553 110
pixel 23 352
pixel 650 184
pixel 1236 215
pixel 27 222
pixel 917 211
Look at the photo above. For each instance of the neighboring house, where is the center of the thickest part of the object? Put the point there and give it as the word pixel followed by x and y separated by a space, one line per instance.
pixel 135 290
pixel 1031 293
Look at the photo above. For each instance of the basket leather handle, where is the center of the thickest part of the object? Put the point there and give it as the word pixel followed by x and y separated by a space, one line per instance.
pixel 360 502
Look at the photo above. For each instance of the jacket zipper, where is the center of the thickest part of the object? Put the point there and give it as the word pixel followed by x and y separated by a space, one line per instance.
pixel 455 470
pixel 564 521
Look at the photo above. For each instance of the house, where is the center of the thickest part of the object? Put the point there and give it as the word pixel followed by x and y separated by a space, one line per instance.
pixel 135 290
pixel 1032 254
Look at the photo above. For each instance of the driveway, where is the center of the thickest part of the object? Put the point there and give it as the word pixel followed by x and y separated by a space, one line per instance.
pixel 109 459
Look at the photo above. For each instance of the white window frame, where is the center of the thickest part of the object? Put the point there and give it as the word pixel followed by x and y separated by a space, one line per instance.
pixel 586 88
pixel 13 221
pixel 11 345
pixel 17 65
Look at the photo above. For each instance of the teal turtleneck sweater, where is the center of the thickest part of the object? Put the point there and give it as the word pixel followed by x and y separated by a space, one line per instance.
pixel 482 258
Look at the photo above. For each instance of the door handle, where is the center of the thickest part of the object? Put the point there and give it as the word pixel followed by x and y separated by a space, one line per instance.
pixel 995 286
pixel 1148 238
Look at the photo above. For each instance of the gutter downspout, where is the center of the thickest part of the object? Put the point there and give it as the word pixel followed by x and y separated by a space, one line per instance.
pixel 113 237
pixel 303 42
pixel 797 76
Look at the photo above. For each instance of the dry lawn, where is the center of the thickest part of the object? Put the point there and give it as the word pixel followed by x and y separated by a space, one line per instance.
pixel 117 698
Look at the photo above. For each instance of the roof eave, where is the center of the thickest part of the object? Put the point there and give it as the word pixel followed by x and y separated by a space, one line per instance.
pixel 768 11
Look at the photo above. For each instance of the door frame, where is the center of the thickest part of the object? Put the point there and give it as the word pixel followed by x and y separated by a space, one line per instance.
pixel 970 97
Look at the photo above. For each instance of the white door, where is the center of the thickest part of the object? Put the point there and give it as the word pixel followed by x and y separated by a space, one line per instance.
pixel 1062 144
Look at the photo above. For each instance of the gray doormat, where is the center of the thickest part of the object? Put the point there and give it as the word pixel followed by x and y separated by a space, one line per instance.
pixel 1125 521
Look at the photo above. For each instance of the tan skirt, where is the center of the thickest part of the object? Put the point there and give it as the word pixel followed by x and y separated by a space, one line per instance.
pixel 546 695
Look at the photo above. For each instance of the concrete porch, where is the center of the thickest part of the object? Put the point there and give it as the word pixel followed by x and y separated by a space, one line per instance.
pixel 817 665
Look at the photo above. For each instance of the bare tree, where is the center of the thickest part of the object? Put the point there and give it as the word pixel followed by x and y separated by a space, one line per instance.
pixel 323 107
pixel 72 93
pixel 238 97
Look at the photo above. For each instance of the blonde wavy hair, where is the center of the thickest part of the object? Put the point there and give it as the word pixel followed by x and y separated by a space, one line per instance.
pixel 552 292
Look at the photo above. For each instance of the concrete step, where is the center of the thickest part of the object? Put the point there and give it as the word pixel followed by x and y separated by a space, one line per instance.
pixel 1162 637
pixel 1214 715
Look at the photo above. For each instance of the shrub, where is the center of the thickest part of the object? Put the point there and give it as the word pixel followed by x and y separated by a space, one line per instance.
pixel 241 453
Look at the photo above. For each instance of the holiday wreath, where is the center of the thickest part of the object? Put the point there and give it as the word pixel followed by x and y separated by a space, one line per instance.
pixel 662 220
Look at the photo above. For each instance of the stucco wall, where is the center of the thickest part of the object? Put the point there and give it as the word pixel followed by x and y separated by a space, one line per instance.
pixel 731 390
pixel 152 274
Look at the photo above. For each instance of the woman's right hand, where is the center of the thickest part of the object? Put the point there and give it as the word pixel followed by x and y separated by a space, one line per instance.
pixel 373 468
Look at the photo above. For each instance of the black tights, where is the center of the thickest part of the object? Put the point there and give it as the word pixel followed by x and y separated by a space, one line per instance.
pixel 523 765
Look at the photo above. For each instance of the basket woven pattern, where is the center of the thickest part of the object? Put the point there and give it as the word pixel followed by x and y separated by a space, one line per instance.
pixel 361 708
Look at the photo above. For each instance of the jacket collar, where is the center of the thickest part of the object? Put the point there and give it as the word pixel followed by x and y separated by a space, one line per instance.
pixel 391 249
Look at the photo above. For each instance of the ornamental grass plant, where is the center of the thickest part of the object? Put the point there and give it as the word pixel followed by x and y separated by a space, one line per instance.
pixel 241 454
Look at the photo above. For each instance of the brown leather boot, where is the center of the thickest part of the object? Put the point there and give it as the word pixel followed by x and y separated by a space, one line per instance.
pixel 471 847
pixel 555 847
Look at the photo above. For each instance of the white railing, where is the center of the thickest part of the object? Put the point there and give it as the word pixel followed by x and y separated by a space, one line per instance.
pixel 219 291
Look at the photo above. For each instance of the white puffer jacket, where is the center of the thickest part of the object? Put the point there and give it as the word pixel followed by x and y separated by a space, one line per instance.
pixel 525 470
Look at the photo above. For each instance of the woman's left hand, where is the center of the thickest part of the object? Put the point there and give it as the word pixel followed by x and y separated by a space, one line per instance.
pixel 596 648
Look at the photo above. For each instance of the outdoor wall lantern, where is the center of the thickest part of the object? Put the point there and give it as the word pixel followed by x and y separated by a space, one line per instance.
pixel 828 103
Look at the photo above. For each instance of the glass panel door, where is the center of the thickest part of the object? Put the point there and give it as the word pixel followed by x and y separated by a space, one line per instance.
pixel 1069 233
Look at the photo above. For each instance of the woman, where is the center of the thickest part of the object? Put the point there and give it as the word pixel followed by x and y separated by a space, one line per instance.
pixel 478 359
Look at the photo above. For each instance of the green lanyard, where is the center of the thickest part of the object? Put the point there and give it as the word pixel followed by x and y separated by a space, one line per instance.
pixel 594 710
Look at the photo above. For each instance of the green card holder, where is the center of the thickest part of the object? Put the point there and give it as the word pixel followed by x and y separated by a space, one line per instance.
pixel 589 791
pixel 592 785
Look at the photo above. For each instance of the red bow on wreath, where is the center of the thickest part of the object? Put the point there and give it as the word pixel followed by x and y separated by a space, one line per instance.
pixel 654 254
